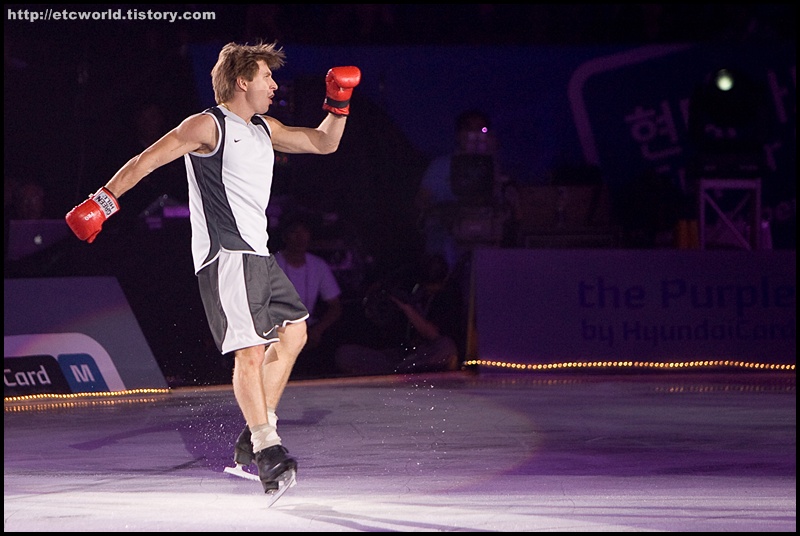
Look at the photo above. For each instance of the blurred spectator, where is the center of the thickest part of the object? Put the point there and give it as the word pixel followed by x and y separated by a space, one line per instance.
pixel 35 250
pixel 469 177
pixel 435 325
pixel 28 200
pixel 319 291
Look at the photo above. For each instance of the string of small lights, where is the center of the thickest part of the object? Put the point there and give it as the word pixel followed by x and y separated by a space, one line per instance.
pixel 84 396
pixel 700 364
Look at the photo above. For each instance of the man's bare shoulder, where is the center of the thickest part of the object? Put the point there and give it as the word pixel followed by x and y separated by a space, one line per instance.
pixel 200 120
pixel 199 129
pixel 272 122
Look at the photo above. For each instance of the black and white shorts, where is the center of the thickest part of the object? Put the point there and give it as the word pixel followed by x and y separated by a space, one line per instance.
pixel 247 298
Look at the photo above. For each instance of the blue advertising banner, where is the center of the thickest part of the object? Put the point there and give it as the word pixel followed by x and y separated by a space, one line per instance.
pixel 545 306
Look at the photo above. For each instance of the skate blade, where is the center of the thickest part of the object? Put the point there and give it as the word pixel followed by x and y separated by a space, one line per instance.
pixel 241 473
pixel 288 479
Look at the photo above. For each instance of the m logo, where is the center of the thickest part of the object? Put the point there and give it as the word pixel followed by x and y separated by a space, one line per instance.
pixel 57 363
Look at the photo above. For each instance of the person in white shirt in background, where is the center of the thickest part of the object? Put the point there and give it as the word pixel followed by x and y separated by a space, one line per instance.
pixel 319 291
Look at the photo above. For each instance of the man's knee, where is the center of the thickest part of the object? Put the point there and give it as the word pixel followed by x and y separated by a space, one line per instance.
pixel 251 358
pixel 294 337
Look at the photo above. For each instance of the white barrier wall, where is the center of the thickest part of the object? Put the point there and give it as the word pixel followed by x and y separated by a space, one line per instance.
pixel 73 335
pixel 546 306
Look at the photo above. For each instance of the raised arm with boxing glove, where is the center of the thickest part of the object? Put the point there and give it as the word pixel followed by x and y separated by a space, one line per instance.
pixel 340 82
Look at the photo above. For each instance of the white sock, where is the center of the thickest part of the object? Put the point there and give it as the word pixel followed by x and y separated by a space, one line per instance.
pixel 266 435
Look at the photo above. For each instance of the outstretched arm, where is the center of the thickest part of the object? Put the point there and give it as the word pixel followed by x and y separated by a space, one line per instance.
pixel 321 140
pixel 196 133
pixel 324 139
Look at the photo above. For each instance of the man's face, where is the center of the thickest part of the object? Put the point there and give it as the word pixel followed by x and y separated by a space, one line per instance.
pixel 261 89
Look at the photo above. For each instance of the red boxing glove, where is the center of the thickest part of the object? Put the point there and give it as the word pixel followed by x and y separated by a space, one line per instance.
pixel 340 82
pixel 86 220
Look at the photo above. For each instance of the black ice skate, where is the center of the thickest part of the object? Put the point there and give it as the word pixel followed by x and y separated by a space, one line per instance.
pixel 243 456
pixel 243 452
pixel 272 463
pixel 277 471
